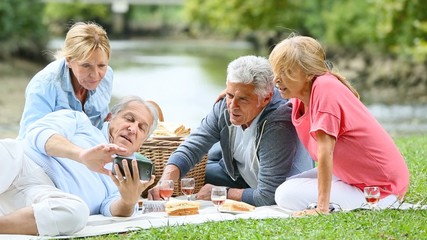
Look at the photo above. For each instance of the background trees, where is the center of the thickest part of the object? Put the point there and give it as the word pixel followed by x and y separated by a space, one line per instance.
pixel 21 29
pixel 396 28
pixel 381 45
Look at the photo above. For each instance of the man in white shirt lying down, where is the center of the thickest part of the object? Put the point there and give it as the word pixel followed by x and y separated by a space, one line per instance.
pixel 56 177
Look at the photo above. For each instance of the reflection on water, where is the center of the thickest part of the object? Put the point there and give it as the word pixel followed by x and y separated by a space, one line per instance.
pixel 182 90
pixel 184 81
pixel 185 77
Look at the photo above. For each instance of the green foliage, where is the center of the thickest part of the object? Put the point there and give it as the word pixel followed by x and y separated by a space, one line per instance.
pixel 387 224
pixel 394 27
pixel 235 17
pixel 22 31
pixel 402 25
pixel 415 151
pixel 347 24
pixel 61 15
pixel 144 14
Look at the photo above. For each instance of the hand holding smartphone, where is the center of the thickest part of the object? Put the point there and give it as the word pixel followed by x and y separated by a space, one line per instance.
pixel 145 166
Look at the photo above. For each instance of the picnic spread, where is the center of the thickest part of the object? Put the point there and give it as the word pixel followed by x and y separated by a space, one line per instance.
pixel 170 130
pixel 98 224
pixel 178 210
pixel 156 216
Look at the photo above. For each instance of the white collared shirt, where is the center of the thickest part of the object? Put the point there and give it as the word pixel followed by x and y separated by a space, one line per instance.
pixel 245 152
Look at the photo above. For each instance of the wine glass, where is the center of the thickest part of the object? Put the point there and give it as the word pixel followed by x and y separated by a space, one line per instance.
pixel 166 189
pixel 218 196
pixel 372 196
pixel 187 187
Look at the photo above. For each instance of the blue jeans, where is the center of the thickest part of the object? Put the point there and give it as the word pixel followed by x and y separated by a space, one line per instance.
pixel 215 171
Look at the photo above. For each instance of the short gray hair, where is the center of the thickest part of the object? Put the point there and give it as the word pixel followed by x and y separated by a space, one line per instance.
pixel 124 102
pixel 252 70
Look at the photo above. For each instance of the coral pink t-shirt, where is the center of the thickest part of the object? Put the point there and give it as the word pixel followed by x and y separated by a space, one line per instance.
pixel 364 154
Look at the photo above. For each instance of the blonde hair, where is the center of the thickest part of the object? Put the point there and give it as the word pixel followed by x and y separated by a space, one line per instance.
pixel 306 53
pixel 82 39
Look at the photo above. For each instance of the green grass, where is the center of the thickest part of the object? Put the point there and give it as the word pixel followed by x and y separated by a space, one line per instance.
pixel 387 224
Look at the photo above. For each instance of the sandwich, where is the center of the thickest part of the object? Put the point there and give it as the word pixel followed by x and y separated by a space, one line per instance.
pixel 232 205
pixel 171 130
pixel 181 208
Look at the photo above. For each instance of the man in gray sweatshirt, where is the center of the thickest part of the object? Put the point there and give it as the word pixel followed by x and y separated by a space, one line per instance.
pixel 251 134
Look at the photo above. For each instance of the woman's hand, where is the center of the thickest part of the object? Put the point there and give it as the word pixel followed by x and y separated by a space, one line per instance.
pixel 325 154
pixel 221 95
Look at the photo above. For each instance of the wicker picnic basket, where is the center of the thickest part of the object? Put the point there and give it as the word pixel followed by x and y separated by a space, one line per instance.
pixel 159 150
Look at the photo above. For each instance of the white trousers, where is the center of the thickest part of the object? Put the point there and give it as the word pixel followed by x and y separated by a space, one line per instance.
pixel 23 183
pixel 299 191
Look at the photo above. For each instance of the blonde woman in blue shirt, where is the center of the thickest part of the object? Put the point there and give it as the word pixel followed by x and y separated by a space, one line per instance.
pixel 79 79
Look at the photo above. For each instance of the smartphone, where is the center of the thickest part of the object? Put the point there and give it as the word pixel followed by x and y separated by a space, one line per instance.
pixel 145 166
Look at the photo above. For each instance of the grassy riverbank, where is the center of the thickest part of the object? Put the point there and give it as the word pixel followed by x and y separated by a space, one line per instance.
pixel 14 77
pixel 387 224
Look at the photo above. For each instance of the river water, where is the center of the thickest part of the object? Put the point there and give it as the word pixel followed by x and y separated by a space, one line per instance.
pixel 185 76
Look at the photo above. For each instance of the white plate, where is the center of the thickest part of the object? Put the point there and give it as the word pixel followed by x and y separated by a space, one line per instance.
pixel 232 212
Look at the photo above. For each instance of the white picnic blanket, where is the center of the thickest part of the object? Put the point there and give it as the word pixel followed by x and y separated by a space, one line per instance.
pixel 100 225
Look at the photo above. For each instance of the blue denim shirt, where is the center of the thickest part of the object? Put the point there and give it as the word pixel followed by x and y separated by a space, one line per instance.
pixel 51 90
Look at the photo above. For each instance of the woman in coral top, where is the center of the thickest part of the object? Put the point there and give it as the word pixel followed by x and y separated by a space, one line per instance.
pixel 351 148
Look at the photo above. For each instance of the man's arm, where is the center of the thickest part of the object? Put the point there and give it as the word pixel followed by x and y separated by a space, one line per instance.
pixel 94 158
pixel 192 150
pixel 50 136
pixel 195 146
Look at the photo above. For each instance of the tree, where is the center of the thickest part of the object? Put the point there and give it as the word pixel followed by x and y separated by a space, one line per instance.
pixel 391 27
pixel 236 17
pixel 401 25
pixel 22 32
pixel 61 16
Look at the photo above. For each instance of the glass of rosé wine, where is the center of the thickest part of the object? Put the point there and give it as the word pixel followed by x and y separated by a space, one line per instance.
pixel 187 187
pixel 218 196
pixel 372 196
pixel 166 189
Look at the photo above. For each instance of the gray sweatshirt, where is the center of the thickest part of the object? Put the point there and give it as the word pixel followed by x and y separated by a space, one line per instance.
pixel 280 152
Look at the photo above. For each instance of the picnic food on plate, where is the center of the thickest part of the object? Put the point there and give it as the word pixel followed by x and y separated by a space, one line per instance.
pixel 171 130
pixel 182 208
pixel 232 205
